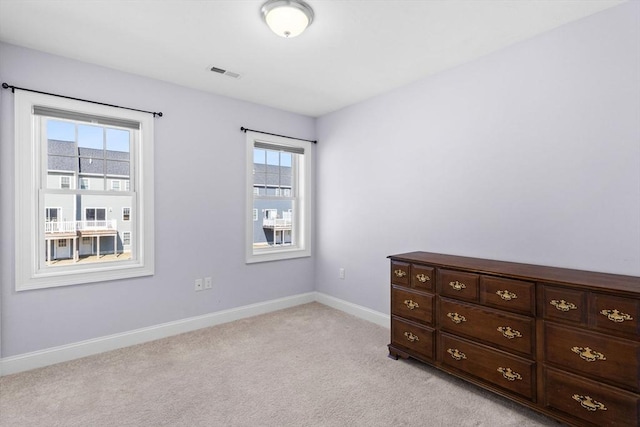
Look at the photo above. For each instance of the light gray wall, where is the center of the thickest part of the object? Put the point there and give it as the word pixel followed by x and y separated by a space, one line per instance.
pixel 531 154
pixel 199 210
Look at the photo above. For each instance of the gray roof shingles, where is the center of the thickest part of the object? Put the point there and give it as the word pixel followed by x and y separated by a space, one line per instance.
pixel 62 157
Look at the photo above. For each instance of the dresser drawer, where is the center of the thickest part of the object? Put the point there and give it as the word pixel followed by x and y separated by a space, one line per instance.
pixel 610 359
pixel 564 304
pixel 509 372
pixel 413 337
pixel 459 285
pixel 507 294
pixel 506 330
pixel 594 403
pixel 616 314
pixel 423 277
pixel 412 305
pixel 401 273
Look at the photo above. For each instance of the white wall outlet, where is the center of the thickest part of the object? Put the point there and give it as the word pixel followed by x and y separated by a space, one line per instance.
pixel 341 273
pixel 208 283
pixel 198 285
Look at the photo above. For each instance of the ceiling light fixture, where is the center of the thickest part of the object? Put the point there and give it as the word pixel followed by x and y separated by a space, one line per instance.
pixel 287 18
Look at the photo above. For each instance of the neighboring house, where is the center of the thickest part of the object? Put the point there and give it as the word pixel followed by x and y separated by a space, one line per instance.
pixel 272 206
pixel 96 223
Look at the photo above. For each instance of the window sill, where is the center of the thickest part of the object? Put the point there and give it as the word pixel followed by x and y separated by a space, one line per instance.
pixel 277 255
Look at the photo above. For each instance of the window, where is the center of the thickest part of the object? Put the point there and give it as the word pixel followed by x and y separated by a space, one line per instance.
pixel 62 243
pixel 279 186
pixel 115 185
pixel 255 214
pixel 126 238
pixel 65 182
pixel 126 214
pixel 92 146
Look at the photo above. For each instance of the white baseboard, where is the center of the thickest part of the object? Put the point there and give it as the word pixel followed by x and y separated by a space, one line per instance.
pixel 64 353
pixel 354 309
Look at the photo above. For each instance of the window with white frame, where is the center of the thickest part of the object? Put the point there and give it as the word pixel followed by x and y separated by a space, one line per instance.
pixel 115 185
pixel 88 144
pixel 126 238
pixel 280 169
pixel 65 182
pixel 126 214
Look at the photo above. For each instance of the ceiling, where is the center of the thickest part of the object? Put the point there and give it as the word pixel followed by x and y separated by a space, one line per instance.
pixel 354 49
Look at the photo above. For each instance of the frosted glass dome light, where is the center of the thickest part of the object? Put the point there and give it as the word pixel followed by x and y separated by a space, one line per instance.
pixel 287 18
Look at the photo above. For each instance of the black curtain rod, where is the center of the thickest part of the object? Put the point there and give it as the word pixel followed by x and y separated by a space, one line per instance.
pixel 243 129
pixel 13 89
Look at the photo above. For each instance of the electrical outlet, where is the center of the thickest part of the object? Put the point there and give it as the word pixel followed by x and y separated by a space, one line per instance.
pixel 208 283
pixel 341 273
pixel 198 285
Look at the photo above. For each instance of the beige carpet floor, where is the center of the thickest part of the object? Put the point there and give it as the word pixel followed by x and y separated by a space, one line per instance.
pixel 309 365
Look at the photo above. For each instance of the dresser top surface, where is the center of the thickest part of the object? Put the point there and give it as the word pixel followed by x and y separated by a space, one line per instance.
pixel 531 272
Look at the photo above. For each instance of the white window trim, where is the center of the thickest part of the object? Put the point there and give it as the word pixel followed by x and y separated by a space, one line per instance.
pixel 129 219
pixel 28 158
pixel 86 187
pixel 70 187
pixel 303 217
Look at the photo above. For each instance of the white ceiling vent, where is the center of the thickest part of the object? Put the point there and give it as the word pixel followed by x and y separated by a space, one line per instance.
pixel 225 72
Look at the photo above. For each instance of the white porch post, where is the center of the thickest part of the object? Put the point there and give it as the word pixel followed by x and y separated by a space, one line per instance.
pixel 98 252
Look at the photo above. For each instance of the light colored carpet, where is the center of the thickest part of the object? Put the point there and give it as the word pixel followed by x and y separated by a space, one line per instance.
pixel 309 365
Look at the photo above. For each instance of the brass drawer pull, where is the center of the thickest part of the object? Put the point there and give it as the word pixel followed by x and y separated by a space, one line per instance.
pixel 400 273
pixel 457 286
pixel 616 316
pixel 588 403
pixel 456 354
pixel 456 318
pixel 509 333
pixel 562 305
pixel 410 337
pixel 587 354
pixel 422 278
pixel 411 304
pixel 506 295
pixel 508 374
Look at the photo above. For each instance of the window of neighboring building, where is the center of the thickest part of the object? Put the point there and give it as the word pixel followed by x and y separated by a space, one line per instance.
pixel 62 243
pixel 65 182
pixel 126 238
pixel 274 165
pixel 126 214
pixel 80 143
pixel 255 214
pixel 115 185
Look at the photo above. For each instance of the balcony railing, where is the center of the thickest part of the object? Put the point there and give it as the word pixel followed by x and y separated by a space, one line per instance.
pixel 73 226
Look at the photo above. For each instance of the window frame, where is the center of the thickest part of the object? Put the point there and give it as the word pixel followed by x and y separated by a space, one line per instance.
pixel 303 212
pixel 30 165
pixel 66 185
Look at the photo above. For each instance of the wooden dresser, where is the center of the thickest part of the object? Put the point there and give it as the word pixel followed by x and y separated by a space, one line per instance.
pixel 563 342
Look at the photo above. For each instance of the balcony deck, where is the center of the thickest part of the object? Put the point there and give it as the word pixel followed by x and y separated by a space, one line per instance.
pixel 70 229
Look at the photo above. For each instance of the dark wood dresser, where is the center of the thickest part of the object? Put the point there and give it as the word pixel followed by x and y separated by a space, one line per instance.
pixel 563 342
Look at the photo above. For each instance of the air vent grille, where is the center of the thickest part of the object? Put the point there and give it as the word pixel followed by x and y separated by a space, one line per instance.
pixel 224 72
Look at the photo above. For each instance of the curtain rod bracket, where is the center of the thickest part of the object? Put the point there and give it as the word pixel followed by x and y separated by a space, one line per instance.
pixel 13 90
